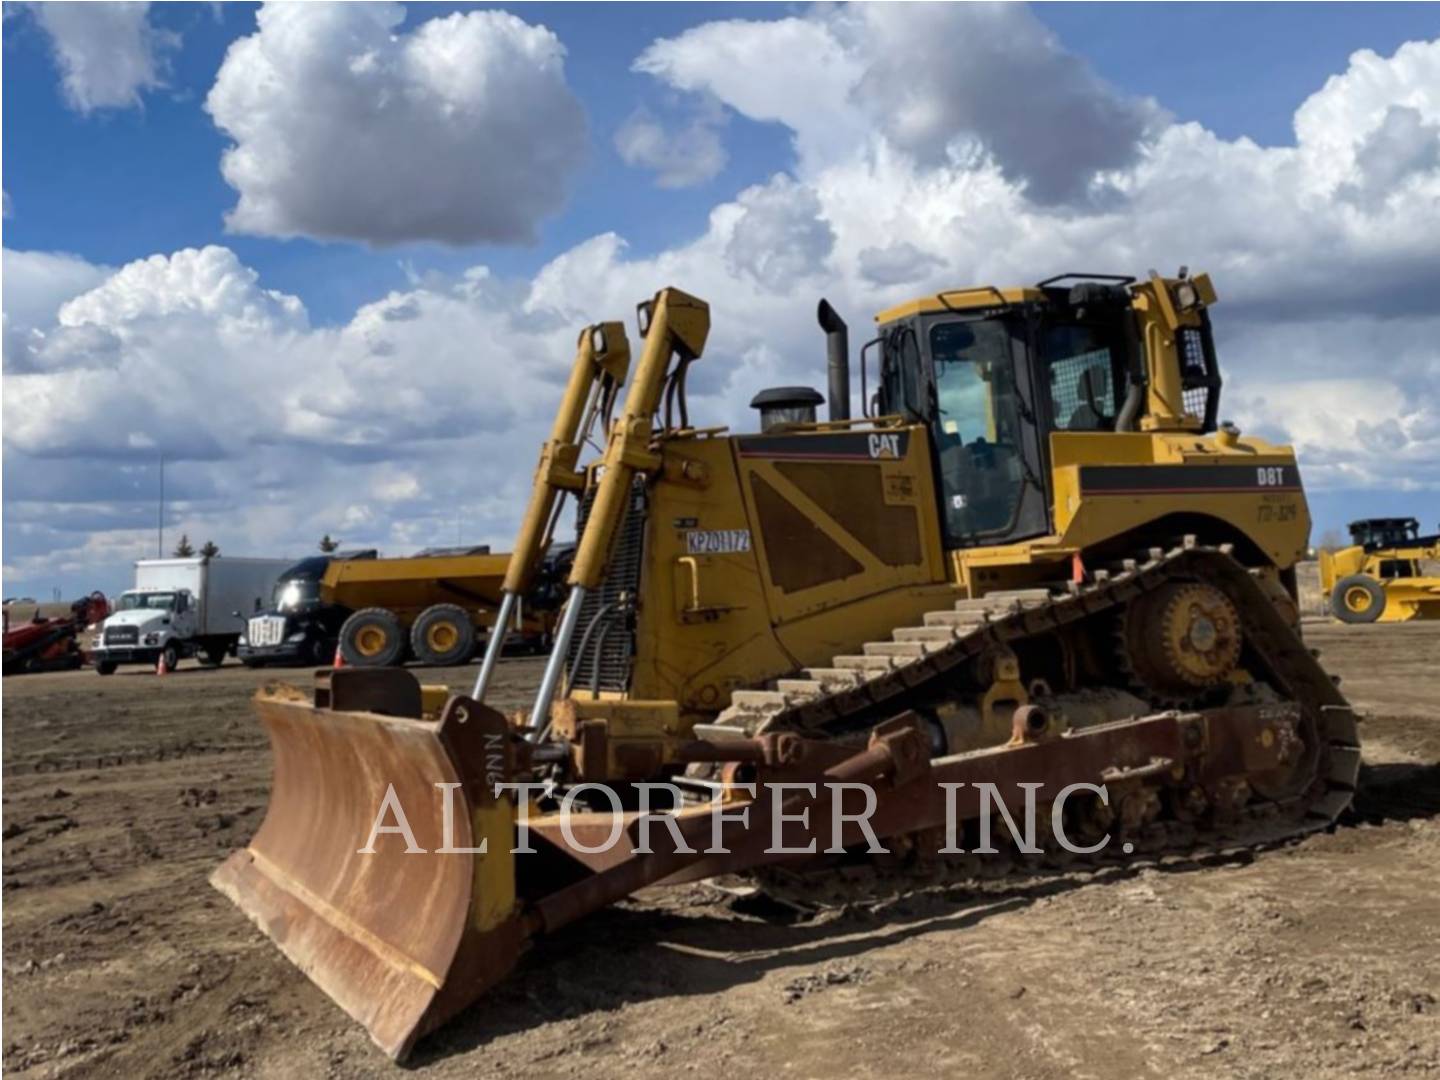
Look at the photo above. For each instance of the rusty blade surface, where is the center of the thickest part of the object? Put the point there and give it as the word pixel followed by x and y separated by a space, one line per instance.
pixel 399 940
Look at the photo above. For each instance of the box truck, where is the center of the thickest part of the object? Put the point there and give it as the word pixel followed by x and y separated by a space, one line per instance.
pixel 185 607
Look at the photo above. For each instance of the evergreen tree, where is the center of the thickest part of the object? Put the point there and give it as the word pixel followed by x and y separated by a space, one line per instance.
pixel 327 545
pixel 183 550
pixel 210 549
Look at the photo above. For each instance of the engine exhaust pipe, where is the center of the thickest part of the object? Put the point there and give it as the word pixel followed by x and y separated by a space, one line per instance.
pixel 837 352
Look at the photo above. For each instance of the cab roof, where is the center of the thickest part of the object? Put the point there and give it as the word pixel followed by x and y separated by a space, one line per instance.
pixel 982 296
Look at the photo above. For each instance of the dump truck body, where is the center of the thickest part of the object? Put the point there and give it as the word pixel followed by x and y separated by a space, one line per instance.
pixel 435 608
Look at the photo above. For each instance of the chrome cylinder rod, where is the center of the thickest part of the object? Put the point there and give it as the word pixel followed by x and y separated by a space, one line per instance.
pixel 498 633
pixel 555 666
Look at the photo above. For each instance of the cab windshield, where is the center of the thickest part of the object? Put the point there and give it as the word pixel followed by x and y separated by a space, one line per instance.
pixel 155 601
pixel 977 425
pixel 295 593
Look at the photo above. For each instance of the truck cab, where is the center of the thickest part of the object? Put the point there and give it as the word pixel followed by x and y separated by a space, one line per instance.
pixel 300 626
pixel 146 623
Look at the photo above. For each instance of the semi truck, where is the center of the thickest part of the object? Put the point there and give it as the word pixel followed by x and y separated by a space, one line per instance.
pixel 302 624
pixel 184 607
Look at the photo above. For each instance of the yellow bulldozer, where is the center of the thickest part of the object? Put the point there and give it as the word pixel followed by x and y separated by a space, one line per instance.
pixel 1384 575
pixel 1036 564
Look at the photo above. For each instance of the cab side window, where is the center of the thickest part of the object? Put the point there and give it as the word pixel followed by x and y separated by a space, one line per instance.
pixel 900 377
pixel 1084 378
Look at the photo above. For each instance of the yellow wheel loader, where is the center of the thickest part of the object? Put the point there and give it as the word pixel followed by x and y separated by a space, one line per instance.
pixel 1036 570
pixel 1383 576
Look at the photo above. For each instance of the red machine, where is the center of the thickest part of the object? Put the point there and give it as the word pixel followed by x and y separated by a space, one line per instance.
pixel 52 644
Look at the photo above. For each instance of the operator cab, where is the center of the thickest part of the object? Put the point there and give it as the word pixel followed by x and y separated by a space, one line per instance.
pixel 1376 534
pixel 993 373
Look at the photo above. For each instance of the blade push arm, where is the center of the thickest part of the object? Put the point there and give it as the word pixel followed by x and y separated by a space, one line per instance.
pixel 602 360
pixel 674 325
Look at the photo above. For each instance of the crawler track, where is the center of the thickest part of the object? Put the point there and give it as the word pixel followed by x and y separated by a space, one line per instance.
pixel 924 664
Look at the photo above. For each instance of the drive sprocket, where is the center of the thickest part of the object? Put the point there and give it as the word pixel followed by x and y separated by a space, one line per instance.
pixel 1180 642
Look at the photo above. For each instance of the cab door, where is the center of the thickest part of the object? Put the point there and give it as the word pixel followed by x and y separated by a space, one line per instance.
pixel 988 450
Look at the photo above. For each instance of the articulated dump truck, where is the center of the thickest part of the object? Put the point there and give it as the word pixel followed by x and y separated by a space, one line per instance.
pixel 1035 567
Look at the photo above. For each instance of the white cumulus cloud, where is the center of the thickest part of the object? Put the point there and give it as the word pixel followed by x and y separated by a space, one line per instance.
pixel 462 130
pixel 680 156
pixel 107 53
pixel 424 409
pixel 944 82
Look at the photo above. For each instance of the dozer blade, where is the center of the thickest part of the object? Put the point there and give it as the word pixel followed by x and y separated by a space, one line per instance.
pixel 400 939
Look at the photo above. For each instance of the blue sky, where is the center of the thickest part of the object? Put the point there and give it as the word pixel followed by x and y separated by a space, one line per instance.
pixel 115 186
pixel 119 183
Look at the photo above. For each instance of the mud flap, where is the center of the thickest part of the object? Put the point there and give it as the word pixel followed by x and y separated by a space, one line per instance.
pixel 401 935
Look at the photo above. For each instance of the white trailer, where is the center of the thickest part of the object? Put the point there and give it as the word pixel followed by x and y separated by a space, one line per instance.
pixel 193 606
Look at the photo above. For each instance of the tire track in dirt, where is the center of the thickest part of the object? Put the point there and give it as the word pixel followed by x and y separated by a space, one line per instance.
pixel 1306 960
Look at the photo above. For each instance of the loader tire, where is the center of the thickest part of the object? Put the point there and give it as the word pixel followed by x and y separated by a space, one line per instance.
pixel 372 637
pixel 443 636
pixel 1358 598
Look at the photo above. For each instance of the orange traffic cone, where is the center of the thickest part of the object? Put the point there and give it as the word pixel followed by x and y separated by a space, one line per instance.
pixel 339 658
pixel 160 668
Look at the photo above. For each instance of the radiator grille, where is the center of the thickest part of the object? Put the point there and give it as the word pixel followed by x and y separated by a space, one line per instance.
pixel 266 630
pixel 122 635
pixel 612 639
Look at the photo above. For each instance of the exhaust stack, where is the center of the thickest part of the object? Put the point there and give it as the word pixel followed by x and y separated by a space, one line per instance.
pixel 837 352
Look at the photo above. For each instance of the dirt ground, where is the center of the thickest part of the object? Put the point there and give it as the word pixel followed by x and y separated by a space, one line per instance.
pixel 1318 959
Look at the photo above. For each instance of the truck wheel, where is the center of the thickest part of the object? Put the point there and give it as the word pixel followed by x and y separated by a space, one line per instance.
pixel 1358 598
pixel 372 637
pixel 443 635
pixel 171 655
pixel 215 654
pixel 106 667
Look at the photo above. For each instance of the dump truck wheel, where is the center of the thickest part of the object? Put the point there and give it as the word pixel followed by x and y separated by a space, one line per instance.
pixel 1357 599
pixel 215 655
pixel 106 667
pixel 372 637
pixel 443 635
